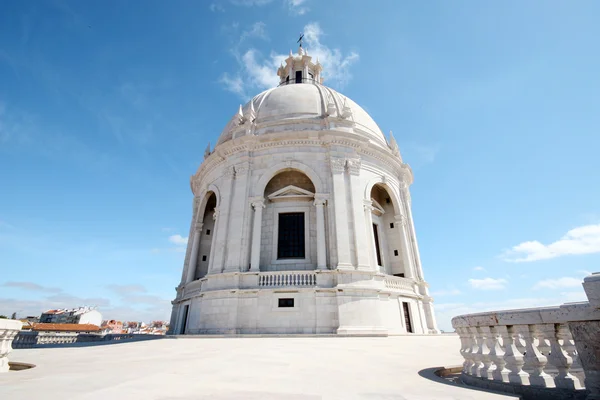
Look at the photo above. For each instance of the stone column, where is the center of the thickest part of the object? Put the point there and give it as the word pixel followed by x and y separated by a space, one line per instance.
pixel 194 254
pixel 257 204
pixel 338 166
pixel 321 248
pixel 405 246
pixel 9 328
pixel 368 218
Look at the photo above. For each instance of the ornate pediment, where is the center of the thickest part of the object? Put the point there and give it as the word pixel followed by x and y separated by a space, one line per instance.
pixel 291 192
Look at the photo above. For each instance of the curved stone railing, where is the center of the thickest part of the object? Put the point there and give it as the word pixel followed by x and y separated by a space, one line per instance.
pixel 398 283
pixel 535 351
pixel 285 278
pixel 29 339
pixel 8 330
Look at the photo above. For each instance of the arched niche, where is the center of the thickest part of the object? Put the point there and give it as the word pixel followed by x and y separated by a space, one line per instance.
pixel 386 231
pixel 205 215
pixel 287 166
pixel 288 239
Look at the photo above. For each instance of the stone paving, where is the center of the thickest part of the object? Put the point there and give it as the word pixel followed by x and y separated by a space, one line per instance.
pixel 291 368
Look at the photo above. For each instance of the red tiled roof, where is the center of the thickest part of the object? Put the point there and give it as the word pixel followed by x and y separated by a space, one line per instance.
pixel 66 327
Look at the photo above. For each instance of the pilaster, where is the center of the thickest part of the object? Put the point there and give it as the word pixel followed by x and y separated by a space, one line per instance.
pixel 236 220
pixel 360 224
pixel 338 167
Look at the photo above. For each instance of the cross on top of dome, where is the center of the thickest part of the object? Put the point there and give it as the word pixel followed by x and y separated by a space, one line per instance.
pixel 300 68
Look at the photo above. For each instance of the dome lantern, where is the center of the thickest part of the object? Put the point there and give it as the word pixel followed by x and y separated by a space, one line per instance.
pixel 299 68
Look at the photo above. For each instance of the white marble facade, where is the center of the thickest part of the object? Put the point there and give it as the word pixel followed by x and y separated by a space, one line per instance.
pixel 302 148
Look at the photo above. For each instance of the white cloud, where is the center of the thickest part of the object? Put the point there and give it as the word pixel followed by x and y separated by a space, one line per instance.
pixel 257 30
pixel 233 84
pixel 259 72
pixel 31 286
pixel 581 240
pixel 250 3
pixel 178 240
pixel 336 66
pixel 214 7
pixel 478 269
pixel 488 283
pixel 297 7
pixel 444 312
pixel 565 282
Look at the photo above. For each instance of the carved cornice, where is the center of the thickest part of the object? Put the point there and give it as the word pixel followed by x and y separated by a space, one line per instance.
pixel 328 137
pixel 216 214
pixel 368 205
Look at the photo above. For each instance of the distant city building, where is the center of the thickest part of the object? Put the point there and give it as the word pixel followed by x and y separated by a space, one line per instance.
pixel 79 315
pixel 75 327
pixel 112 326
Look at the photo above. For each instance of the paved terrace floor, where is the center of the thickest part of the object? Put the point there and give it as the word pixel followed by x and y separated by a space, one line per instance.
pixel 293 368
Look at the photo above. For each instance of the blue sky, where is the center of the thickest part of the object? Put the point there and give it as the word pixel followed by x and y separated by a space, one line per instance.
pixel 106 109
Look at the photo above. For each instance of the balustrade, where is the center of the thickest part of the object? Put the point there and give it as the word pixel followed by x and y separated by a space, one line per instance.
pixel 398 283
pixel 536 347
pixel 285 278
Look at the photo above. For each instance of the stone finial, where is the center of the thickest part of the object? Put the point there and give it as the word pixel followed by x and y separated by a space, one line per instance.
pixel 331 108
pixel 250 115
pixel 207 151
pixel 240 116
pixel 394 146
pixel 346 111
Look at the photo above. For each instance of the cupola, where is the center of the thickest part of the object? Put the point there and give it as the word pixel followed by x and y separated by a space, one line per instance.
pixel 299 68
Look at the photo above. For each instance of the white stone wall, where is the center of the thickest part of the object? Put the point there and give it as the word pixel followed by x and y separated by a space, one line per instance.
pixel 344 169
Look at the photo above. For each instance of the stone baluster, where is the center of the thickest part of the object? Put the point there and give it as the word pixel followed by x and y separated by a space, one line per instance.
pixel 476 352
pixel 487 343
pixel 560 359
pixel 569 346
pixel 465 348
pixel 500 373
pixel 535 361
pixel 513 357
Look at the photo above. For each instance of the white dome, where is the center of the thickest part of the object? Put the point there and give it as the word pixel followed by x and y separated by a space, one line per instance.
pixel 296 107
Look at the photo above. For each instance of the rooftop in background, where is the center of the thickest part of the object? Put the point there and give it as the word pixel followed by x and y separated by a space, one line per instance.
pixel 289 368
pixel 39 327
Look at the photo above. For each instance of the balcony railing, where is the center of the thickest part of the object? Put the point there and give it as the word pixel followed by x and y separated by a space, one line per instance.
pixel 294 81
pixel 398 283
pixel 535 351
pixel 285 278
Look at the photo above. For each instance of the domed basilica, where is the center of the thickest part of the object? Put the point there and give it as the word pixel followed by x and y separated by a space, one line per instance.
pixel 302 222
